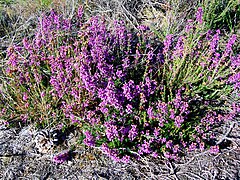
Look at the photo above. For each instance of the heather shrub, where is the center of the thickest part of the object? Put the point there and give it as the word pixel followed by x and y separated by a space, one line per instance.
pixel 130 95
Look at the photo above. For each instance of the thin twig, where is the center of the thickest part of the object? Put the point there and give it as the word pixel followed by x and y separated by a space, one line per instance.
pixel 227 133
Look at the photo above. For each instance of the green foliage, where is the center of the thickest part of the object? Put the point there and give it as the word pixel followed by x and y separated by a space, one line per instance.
pixel 44 3
pixel 220 14
pixel 6 2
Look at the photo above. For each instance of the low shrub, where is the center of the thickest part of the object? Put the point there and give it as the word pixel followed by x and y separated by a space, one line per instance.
pixel 130 95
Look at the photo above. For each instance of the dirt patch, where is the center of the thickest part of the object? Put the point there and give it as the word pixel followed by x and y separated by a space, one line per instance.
pixel 20 159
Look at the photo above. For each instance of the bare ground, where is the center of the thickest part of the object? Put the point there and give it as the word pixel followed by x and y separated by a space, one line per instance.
pixel 20 159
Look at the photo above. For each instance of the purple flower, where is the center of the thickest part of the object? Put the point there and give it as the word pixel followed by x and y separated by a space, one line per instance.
pixel 120 73
pixel 189 25
pixel 167 43
pixel 111 96
pixel 149 86
pixel 37 76
pixel 208 35
pixel 162 107
pixel 55 19
pixel 192 146
pixel 105 149
pixel 60 158
pixel 179 48
pixel 150 113
pixel 13 60
pixel 172 114
pixel 214 149
pixel 169 144
pixel 235 61
pixel 154 154
pixel 132 134
pixel 143 28
pixel 66 24
pixel 89 139
pixel 199 15
pixel 124 130
pixel 25 96
pixel 110 152
pixel 80 12
pixel 156 132
pixel 163 140
pixel 184 108
pixel 24 117
pixel 147 133
pixel 214 42
pixel 111 131
pixel 26 43
pixel 129 109
pixel 73 119
pixel 177 101
pixel 235 108
pixel 126 63
pixel 168 155
pixel 178 121
pixel 229 45
pixel 128 90
pixel 150 55
pixel 42 94
pixel 145 148
pixel 161 121
pixel 176 148
pixel 199 130
pixel 202 146
pixel 38 40
pixel 125 159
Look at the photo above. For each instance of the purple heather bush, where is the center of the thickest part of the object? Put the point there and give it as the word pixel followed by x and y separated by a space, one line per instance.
pixel 130 95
